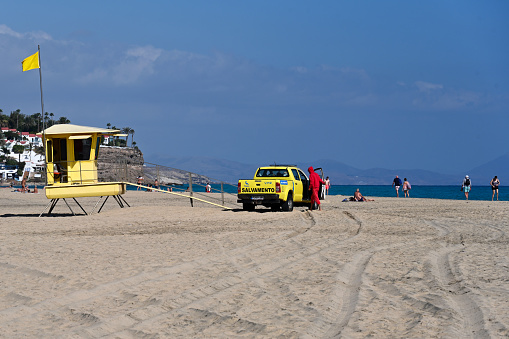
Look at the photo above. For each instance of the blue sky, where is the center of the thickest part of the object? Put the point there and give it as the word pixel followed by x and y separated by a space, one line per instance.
pixel 393 84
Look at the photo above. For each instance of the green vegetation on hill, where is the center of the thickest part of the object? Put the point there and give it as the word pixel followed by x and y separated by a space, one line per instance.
pixel 121 142
pixel 30 123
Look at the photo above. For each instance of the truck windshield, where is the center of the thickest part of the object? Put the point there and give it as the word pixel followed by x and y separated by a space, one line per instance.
pixel 271 173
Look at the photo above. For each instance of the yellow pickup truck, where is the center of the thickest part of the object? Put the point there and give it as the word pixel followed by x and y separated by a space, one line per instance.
pixel 277 187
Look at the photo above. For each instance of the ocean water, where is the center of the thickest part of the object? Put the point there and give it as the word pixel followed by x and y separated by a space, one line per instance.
pixel 432 192
pixel 373 191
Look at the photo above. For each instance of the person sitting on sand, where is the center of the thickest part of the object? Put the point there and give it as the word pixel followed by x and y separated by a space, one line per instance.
pixel 358 196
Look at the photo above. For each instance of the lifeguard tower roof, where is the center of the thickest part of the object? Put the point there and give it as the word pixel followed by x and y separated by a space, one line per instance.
pixel 62 129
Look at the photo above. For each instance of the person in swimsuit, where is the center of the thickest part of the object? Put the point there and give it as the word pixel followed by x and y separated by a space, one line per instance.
pixel 494 187
pixel 467 184
pixel 359 197
pixel 327 185
pixel 406 188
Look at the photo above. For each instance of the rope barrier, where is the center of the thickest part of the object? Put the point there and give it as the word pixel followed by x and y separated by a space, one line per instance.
pixel 181 195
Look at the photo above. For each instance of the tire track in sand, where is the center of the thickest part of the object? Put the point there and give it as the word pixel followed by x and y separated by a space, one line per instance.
pixel 470 314
pixel 344 298
pixel 262 275
pixel 449 279
pixel 66 305
pixel 248 271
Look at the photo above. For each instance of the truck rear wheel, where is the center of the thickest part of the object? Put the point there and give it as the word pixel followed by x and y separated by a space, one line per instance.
pixel 248 207
pixel 287 205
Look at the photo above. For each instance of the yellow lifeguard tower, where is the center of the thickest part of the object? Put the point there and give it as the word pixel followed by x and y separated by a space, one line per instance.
pixel 71 165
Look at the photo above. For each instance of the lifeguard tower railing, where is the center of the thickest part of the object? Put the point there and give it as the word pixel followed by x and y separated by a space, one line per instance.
pixel 73 172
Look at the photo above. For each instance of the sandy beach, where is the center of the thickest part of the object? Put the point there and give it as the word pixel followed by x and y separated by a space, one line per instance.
pixel 392 268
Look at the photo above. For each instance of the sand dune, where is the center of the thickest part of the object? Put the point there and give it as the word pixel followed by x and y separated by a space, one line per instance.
pixel 410 268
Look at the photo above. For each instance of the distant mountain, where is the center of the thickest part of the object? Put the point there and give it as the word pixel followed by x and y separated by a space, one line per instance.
pixel 483 174
pixel 339 173
pixel 342 174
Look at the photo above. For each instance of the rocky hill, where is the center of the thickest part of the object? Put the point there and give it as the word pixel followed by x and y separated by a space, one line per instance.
pixel 126 164
pixel 119 164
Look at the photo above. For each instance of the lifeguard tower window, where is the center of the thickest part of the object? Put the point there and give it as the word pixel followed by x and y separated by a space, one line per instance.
pixel 82 148
pixel 60 150
pixel 49 151
pixel 97 147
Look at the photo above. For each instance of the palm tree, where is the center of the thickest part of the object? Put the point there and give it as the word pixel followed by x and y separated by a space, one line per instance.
pixel 64 120
pixel 108 125
pixel 18 149
pixel 38 117
pixel 4 121
pixel 127 131
pixel 132 137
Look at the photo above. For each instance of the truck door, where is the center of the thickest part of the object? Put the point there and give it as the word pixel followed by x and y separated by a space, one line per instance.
pixel 306 195
pixel 298 186
pixel 321 191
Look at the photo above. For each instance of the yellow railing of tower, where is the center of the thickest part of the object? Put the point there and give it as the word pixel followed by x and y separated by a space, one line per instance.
pixel 179 194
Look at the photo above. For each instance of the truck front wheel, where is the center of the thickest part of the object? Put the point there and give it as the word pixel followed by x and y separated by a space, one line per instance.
pixel 287 205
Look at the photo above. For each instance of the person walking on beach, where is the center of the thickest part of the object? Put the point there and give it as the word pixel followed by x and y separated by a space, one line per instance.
pixel 396 183
pixel 314 186
pixel 406 188
pixel 140 182
pixel 327 185
pixel 494 187
pixel 467 184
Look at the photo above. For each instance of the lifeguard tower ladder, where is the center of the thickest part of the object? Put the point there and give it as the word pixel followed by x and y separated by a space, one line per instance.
pixel 71 166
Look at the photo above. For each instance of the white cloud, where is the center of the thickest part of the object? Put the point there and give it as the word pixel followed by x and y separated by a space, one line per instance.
pixel 427 86
pixel 4 29
pixel 7 31
pixel 300 69
pixel 126 68
pixel 359 73
pixel 139 61
pixel 448 100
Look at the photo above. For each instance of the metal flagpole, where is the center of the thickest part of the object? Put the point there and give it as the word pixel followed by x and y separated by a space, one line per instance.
pixel 43 120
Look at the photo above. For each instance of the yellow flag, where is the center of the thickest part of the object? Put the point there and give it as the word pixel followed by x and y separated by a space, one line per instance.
pixel 31 62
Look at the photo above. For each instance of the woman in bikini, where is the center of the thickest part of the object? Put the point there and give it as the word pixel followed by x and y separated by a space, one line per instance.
pixel 494 187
